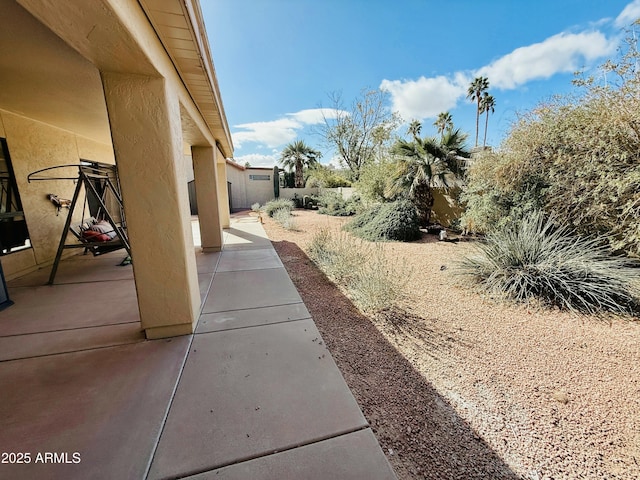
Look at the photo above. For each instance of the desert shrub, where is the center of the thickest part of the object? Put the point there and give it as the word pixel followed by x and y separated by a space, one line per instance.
pixel 576 156
pixel 361 269
pixel 310 201
pixel 374 180
pixel 285 219
pixel 255 207
pixel 389 221
pixel 535 259
pixel 325 177
pixel 332 203
pixel 281 203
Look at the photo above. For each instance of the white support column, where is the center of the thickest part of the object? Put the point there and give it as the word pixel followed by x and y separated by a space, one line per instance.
pixel 206 178
pixel 223 198
pixel 144 115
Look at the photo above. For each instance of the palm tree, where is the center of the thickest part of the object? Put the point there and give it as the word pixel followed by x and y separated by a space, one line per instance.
pixel 296 156
pixel 414 129
pixel 423 164
pixel 474 93
pixel 443 122
pixel 487 105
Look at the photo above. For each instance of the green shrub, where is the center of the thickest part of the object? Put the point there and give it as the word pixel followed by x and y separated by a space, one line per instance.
pixel 255 207
pixel 389 221
pixel 271 206
pixel 534 259
pixel 333 203
pixel 285 219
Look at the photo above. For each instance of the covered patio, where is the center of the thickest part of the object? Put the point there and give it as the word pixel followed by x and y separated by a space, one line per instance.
pixel 253 393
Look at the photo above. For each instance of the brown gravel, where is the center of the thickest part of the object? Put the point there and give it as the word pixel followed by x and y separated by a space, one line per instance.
pixel 458 387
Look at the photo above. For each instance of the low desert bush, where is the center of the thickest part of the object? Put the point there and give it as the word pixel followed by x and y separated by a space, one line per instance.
pixel 332 203
pixel 255 207
pixel 389 221
pixel 359 268
pixel 281 203
pixel 536 259
pixel 285 219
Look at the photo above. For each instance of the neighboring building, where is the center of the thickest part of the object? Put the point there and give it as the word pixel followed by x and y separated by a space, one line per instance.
pixel 248 185
pixel 129 82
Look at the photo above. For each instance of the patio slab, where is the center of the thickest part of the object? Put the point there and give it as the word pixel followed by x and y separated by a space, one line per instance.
pixel 106 404
pixel 74 305
pixel 80 269
pixel 246 236
pixel 64 341
pixel 354 456
pixel 236 260
pixel 207 261
pixel 213 322
pixel 250 392
pixel 250 289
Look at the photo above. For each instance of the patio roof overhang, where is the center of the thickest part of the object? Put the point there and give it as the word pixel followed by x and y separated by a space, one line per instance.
pixel 44 79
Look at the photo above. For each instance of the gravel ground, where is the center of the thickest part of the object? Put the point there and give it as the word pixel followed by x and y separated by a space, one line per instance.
pixel 459 387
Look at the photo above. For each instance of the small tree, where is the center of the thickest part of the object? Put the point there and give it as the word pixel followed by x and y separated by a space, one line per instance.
pixel 296 156
pixel 360 133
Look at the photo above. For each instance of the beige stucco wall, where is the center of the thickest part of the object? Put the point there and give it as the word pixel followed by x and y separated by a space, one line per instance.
pixel 238 187
pixel 32 146
pixel 246 191
pixel 445 208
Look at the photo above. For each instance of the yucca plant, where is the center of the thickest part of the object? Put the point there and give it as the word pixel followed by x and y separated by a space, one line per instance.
pixel 539 259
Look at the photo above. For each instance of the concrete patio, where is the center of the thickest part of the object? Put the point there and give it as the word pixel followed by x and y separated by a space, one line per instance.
pixel 253 394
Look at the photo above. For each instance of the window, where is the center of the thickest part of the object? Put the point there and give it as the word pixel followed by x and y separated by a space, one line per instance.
pixel 13 226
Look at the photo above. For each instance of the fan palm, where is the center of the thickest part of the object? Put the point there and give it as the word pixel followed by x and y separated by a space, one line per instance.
pixel 423 164
pixel 296 156
pixel 443 122
pixel 487 105
pixel 474 93
pixel 414 129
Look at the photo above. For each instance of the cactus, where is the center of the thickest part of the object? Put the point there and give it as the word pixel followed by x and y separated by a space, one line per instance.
pixel 276 182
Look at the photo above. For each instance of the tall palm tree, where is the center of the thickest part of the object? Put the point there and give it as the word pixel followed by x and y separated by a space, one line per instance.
pixel 423 164
pixel 296 156
pixel 474 93
pixel 415 127
pixel 487 105
pixel 443 122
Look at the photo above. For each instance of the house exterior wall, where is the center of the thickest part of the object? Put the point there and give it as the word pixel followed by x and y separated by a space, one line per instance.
pixel 32 146
pixel 249 185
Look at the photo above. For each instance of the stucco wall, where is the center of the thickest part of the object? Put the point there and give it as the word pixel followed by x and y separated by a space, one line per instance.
pixel 445 209
pixel 238 188
pixel 248 187
pixel 32 146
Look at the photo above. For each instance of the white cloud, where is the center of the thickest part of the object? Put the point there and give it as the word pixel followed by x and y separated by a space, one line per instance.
pixel 282 131
pixel 558 54
pixel 271 134
pixel 257 160
pixel 313 116
pixel 629 14
pixel 426 97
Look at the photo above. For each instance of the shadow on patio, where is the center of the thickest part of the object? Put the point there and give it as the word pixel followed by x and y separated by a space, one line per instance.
pixel 252 394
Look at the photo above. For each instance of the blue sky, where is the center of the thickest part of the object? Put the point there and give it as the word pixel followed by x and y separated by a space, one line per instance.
pixel 277 60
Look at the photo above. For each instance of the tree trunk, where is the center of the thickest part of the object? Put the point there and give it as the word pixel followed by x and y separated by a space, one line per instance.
pixel 423 200
pixel 299 177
